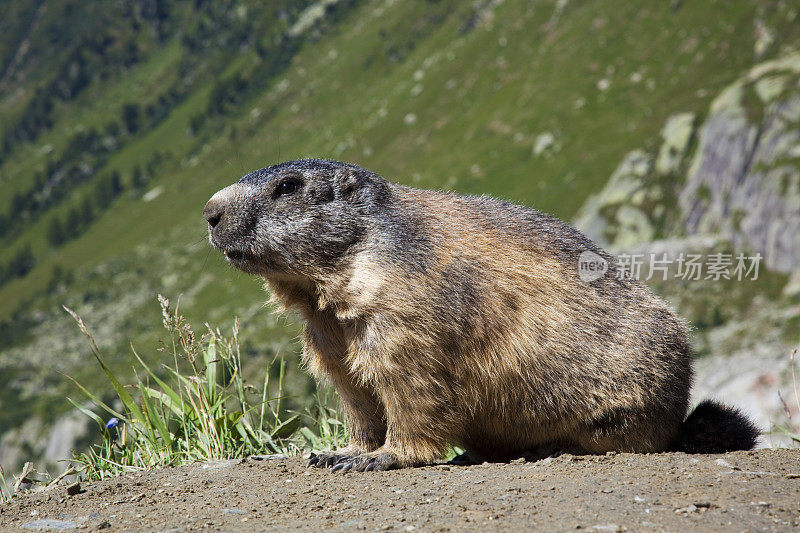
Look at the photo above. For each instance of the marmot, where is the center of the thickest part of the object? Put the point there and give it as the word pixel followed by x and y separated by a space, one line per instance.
pixel 444 319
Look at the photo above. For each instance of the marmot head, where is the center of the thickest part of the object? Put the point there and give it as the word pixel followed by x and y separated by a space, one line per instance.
pixel 298 218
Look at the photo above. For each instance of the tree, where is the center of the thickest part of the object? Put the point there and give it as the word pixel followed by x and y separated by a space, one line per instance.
pixel 74 222
pixel 21 263
pixel 137 178
pixel 131 115
pixel 19 204
pixel 102 193
pixel 116 184
pixel 55 277
pixel 56 234
pixel 107 188
pixel 87 212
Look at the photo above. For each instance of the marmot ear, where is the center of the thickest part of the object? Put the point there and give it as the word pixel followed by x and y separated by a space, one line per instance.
pixel 347 183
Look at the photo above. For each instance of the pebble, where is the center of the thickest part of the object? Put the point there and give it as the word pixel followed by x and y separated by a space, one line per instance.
pixel 607 527
pixel 74 489
pixel 46 524
pixel 726 464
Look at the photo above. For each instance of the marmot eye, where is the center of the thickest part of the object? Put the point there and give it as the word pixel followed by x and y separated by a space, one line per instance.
pixel 286 188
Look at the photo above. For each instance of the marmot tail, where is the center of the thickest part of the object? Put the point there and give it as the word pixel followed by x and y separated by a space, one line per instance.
pixel 716 428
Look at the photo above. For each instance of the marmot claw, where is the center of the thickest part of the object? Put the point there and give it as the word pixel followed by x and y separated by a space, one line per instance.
pixel 368 462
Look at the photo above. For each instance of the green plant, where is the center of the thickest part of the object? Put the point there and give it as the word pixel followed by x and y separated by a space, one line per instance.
pixel 205 413
pixel 326 428
pixel 5 495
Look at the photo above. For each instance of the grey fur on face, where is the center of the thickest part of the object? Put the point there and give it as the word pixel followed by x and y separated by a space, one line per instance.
pixel 291 218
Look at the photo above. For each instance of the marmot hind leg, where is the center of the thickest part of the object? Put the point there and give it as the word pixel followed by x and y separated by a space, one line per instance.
pixel 629 430
pixel 536 453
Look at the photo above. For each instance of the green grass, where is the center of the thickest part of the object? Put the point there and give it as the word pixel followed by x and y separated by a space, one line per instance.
pixel 5 494
pixel 198 408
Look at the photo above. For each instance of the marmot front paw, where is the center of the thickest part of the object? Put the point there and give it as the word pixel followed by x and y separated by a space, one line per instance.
pixel 367 462
pixel 331 458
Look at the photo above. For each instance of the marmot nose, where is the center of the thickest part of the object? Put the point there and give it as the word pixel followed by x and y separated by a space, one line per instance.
pixel 212 212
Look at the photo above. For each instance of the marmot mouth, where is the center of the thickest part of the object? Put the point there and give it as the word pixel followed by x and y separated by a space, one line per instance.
pixel 246 261
pixel 235 255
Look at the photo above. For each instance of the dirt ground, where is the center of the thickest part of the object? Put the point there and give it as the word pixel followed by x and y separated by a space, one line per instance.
pixel 741 491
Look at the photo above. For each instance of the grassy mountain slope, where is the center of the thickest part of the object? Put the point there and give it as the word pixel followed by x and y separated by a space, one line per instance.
pixel 535 102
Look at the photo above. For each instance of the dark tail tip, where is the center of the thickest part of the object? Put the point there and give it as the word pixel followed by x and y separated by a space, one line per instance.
pixel 716 428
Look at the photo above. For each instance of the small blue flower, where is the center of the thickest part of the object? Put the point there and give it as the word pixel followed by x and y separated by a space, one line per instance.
pixel 112 424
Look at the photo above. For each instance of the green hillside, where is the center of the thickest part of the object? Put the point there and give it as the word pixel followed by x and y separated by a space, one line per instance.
pixel 119 120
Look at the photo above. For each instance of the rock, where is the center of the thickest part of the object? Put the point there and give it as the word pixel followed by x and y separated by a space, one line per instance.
pixel 770 87
pixel 545 144
pixel 792 287
pixel 269 457
pixel 726 464
pixel 221 463
pixel 744 179
pixel 764 37
pixel 748 377
pixel 74 489
pixel 676 135
pixel 607 527
pixel 633 227
pixel 48 524
pixel 600 216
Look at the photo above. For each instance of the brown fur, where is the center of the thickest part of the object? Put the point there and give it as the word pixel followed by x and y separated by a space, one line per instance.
pixel 472 327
